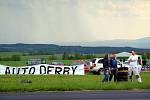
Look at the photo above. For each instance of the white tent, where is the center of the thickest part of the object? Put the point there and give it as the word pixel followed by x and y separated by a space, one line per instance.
pixel 123 54
pixel 126 54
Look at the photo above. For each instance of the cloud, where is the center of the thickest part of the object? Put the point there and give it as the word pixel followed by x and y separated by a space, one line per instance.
pixel 118 8
pixel 72 20
pixel 141 8
pixel 135 8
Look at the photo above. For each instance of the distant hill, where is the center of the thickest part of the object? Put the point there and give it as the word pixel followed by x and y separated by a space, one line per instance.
pixel 138 43
pixel 52 48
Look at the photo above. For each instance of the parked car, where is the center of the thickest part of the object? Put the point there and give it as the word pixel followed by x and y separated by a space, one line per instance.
pixel 31 62
pixel 145 68
pixel 97 65
pixel 57 63
pixel 80 62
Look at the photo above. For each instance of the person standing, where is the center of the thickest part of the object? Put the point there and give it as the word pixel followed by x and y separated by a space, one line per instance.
pixel 106 68
pixel 113 68
pixel 139 64
pixel 133 60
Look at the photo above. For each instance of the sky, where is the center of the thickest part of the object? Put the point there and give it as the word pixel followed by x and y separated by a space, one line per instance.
pixel 57 21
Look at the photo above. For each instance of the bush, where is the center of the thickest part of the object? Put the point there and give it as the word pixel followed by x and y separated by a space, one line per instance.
pixel 77 56
pixel 52 57
pixel 65 56
pixel 15 58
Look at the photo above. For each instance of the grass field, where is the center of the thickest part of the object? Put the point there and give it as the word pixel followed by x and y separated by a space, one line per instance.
pixel 13 63
pixel 60 82
pixel 24 59
pixel 23 63
pixel 9 54
pixel 67 83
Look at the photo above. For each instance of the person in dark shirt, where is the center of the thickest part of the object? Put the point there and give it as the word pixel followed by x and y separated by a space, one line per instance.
pixel 113 68
pixel 106 68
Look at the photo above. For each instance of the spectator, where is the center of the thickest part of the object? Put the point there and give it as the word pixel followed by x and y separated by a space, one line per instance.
pixel 106 68
pixel 133 60
pixel 139 64
pixel 113 68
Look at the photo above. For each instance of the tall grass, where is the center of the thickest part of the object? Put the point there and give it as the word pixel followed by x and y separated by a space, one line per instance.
pixel 67 83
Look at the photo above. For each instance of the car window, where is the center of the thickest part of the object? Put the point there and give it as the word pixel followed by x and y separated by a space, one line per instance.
pixel 57 63
pixel 88 63
pixel 100 61
pixel 93 60
pixel 76 63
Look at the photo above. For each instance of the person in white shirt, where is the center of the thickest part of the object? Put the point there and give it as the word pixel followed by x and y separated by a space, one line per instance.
pixel 133 60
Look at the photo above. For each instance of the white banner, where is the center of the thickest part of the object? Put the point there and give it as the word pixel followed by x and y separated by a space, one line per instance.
pixel 43 69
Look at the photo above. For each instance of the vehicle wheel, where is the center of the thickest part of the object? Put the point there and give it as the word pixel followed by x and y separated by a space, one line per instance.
pixel 99 72
pixel 95 72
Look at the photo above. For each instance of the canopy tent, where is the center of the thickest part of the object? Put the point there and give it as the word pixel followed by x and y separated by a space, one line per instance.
pixel 123 54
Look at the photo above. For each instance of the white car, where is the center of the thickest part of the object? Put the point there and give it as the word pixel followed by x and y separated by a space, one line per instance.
pixel 97 65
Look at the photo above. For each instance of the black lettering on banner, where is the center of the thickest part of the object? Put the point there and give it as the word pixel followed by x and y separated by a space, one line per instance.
pixel 7 71
pixel 13 71
pixel 41 67
pixel 58 70
pixel 74 69
pixel 32 69
pixel 25 69
pixel 18 70
pixel 66 70
pixel 49 69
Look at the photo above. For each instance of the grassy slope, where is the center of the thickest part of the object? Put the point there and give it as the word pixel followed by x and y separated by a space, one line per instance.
pixel 59 82
pixel 65 83
pixel 9 54
pixel 24 59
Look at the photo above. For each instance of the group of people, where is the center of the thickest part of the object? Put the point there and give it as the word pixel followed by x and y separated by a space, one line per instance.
pixel 110 67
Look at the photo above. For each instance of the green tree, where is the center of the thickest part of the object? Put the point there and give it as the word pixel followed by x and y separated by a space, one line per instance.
pixel 15 58
pixel 89 56
pixel 52 57
pixel 148 55
pixel 65 56
pixel 77 56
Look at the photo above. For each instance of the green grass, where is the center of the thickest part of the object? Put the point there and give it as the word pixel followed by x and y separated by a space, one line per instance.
pixel 13 63
pixel 67 83
pixel 60 82
pixel 67 62
pixel 24 59
pixel 9 54
pixel 23 63
pixel 99 55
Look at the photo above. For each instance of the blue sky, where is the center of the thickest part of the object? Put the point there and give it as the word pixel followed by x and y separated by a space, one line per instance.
pixel 56 21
